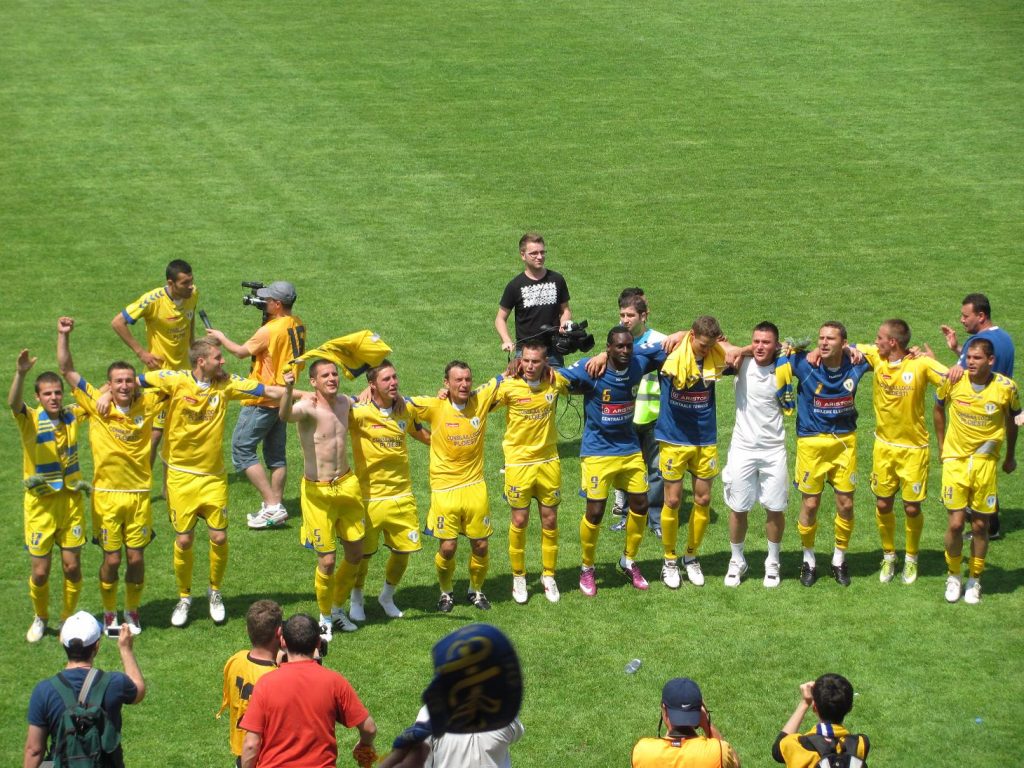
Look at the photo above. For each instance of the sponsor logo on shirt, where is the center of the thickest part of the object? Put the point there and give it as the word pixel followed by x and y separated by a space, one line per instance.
pixel 833 405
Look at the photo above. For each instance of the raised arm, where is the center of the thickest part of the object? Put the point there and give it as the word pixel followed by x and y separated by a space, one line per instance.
pixel 241 351
pixel 793 724
pixel 15 399
pixel 284 409
pixel 131 666
pixel 67 366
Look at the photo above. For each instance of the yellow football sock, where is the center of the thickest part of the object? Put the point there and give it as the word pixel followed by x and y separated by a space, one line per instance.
pixel 108 596
pixel 588 541
pixel 886 530
pixel 183 570
pixel 394 570
pixel 914 526
pixel 635 525
pixel 72 591
pixel 322 588
pixel 132 595
pixel 344 580
pixel 218 563
pixel 517 550
pixel 700 516
pixel 807 534
pixel 843 531
pixel 445 572
pixel 478 571
pixel 954 564
pixel 364 568
pixel 669 531
pixel 549 550
pixel 975 567
pixel 40 597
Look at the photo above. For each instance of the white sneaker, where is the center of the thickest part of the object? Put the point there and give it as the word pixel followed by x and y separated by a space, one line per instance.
pixel 217 611
pixel 735 574
pixel 340 620
pixel 670 574
pixel 36 630
pixel 356 606
pixel 693 572
pixel 888 572
pixel 111 626
pixel 180 616
pixel 550 589
pixel 131 618
pixel 952 589
pixel 972 595
pixel 771 574
pixel 326 629
pixel 268 517
pixel 387 602
pixel 519 593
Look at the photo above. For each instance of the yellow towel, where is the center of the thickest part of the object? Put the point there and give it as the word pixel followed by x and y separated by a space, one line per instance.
pixel 682 365
pixel 353 353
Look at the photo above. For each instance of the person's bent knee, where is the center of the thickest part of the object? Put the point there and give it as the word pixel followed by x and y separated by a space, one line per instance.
pixel 447 548
pixel 479 547
pixel 218 537
pixel 325 562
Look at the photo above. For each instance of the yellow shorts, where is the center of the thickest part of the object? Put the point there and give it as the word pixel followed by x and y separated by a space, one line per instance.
pixel 331 510
pixel 699 460
pixel 970 483
pixel 397 519
pixel 57 517
pixel 121 519
pixel 602 473
pixel 895 467
pixel 541 481
pixel 826 457
pixel 462 510
pixel 190 497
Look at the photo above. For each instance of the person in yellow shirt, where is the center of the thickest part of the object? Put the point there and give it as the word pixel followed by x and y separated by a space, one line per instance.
pixel 831 698
pixel 196 483
pixel 379 429
pixel 169 316
pixel 458 493
pixel 122 475
pixel 901 455
pixel 276 343
pixel 982 407
pixel 53 489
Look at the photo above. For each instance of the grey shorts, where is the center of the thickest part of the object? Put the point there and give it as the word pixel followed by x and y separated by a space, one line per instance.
pixel 255 425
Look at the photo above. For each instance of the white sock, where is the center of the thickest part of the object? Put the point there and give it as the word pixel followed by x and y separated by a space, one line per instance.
pixel 809 558
pixel 737 552
pixel 625 562
pixel 838 557
pixel 774 551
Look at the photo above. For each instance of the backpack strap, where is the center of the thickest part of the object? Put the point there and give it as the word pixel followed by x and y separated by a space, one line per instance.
pixel 90 678
pixel 820 744
pixel 852 744
pixel 63 687
pixel 94 688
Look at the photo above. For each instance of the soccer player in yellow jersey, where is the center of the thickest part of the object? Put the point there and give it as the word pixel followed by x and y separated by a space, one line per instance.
pixel 332 503
pixel 901 454
pixel 169 315
pixel 122 475
pixel 379 430
pixel 458 493
pixel 53 489
pixel 532 467
pixel 982 409
pixel 196 483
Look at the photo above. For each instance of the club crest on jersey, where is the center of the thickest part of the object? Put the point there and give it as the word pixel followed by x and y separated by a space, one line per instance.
pixel 401 425
pixel 138 420
pixel 214 400
pixel 475 421
pixel 848 385
pixel 549 397
pixel 189 314
pixel 908 377
pixel 990 408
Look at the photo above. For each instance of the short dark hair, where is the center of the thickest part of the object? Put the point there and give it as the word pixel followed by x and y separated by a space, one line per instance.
pixel 980 303
pixel 535 344
pixel 120 365
pixel 899 330
pixel 768 326
pixel 629 293
pixel 374 372
pixel 48 377
pixel 837 325
pixel 262 621
pixel 456 364
pixel 833 697
pixel 76 651
pixel 706 325
pixel 317 363
pixel 634 301
pixel 986 346
pixel 301 634
pixel 529 237
pixel 616 330
pixel 177 268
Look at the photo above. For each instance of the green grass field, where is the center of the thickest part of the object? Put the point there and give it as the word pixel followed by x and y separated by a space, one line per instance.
pixel 797 161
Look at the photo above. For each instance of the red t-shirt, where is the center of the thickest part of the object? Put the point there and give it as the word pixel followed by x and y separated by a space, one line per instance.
pixel 294 709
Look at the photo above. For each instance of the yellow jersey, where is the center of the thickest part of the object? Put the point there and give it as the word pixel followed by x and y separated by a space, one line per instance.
pixel 380 450
pixel 274 345
pixel 530 432
pixel 898 395
pixel 240 675
pixel 169 324
pixel 976 425
pixel 194 429
pixel 120 440
pixel 50 449
pixel 456 435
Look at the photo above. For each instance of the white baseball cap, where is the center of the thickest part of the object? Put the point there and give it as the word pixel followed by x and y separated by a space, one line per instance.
pixel 82 627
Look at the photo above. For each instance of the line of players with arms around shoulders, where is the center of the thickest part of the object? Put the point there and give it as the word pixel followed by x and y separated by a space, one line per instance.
pixel 186 392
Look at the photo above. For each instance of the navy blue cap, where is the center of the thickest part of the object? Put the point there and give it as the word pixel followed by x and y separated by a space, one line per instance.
pixel 681 697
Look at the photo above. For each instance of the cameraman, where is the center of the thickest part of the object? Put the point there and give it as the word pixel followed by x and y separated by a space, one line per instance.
pixel 279 340
pixel 539 297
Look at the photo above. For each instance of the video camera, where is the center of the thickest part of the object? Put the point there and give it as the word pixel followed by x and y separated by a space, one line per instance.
pixel 572 338
pixel 252 300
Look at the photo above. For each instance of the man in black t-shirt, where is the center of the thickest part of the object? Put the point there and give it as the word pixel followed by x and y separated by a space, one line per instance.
pixel 539 296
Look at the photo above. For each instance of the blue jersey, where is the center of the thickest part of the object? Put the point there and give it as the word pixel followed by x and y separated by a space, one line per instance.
pixel 609 402
pixel 1002 345
pixel 825 397
pixel 687 416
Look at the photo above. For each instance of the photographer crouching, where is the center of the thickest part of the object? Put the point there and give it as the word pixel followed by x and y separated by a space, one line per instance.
pixel 281 338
